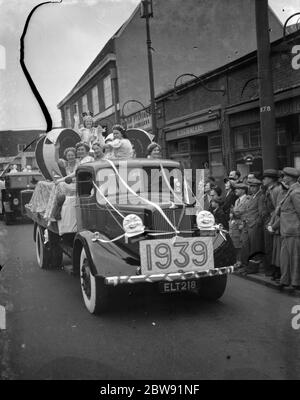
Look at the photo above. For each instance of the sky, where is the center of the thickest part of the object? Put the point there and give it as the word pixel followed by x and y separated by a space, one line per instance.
pixel 62 41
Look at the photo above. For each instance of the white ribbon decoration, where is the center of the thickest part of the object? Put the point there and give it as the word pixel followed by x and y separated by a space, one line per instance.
pixel 169 186
pixel 106 199
pixel 156 206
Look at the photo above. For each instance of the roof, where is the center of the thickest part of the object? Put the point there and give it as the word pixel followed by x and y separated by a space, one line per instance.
pixel 108 49
pixel 250 57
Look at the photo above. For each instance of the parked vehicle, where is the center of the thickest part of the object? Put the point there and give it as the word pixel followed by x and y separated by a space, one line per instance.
pixel 132 229
pixel 18 190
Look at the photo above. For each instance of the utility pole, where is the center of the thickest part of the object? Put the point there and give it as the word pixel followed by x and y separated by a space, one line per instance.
pixel 113 76
pixel 147 13
pixel 265 79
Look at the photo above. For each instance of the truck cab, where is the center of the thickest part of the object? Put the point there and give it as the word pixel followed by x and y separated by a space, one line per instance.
pixel 136 224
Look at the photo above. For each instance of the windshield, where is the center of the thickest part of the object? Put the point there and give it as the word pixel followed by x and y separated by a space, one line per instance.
pixel 159 185
pixel 24 181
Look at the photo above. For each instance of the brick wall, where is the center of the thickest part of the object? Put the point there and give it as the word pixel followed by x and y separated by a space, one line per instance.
pixel 9 141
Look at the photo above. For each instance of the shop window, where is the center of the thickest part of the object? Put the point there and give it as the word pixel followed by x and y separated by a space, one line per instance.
pixel 75 109
pixel 84 104
pixel 173 147
pixel 247 137
pixel 255 137
pixel 95 100
pixel 68 117
pixel 296 157
pixel 215 142
pixel 241 139
pixel 183 146
pixel 281 134
pixel 107 92
pixel 216 158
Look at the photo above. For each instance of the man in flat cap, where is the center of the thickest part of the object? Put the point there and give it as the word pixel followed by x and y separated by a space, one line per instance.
pixel 290 230
pixel 272 191
pixel 253 239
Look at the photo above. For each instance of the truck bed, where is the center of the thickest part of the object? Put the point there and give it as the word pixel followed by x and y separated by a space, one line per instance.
pixel 40 220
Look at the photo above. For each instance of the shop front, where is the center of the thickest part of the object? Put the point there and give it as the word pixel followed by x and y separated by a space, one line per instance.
pixel 245 136
pixel 196 142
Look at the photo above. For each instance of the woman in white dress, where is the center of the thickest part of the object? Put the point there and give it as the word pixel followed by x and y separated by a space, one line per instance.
pixel 88 133
pixel 120 147
pixel 82 152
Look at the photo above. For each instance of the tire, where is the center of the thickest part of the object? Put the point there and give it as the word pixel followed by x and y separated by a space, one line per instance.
pixel 7 218
pixel 94 290
pixel 43 253
pixel 56 253
pixel 212 288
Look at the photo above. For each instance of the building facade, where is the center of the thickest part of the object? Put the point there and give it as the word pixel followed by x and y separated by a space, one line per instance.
pixel 221 131
pixel 12 144
pixel 95 92
pixel 187 36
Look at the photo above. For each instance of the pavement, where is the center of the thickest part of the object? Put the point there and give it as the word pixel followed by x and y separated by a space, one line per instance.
pixel 261 279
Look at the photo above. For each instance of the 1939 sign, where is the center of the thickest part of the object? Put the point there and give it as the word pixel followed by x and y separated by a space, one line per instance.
pixel 182 254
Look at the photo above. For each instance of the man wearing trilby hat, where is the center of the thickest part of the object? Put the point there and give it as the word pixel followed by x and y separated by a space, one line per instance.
pixel 289 211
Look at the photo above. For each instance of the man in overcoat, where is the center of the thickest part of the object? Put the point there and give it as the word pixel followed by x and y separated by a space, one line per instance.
pixel 272 191
pixel 290 230
pixel 253 237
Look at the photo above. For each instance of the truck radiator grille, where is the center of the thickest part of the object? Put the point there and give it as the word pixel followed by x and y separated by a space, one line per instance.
pixel 160 224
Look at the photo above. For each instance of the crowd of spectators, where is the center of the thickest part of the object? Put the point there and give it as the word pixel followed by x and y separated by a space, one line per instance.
pixel 262 215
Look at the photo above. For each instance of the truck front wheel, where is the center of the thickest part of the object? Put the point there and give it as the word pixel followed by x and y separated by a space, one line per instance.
pixel 8 218
pixel 94 290
pixel 212 288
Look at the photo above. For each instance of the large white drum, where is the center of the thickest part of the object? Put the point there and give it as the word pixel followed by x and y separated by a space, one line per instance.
pixel 50 148
pixel 140 139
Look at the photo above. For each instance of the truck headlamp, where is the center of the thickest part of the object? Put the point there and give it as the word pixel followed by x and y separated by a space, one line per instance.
pixel 205 220
pixel 133 225
pixel 15 201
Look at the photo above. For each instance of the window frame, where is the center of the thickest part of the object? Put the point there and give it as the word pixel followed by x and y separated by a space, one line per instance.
pixel 95 96
pixel 84 102
pixel 107 92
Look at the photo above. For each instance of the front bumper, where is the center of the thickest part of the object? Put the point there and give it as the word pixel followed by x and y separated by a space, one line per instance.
pixel 119 280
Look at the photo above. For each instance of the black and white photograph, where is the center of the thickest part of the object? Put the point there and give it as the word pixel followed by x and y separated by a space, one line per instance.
pixel 149 193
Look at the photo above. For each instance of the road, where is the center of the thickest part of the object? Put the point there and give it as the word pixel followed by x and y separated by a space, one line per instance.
pixel 50 335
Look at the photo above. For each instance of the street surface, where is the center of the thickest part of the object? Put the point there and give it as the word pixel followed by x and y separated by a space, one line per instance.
pixel 50 335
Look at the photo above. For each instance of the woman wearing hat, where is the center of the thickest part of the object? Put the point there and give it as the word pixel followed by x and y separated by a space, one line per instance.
pixel 120 147
pixel 82 152
pixel 69 163
pixel 230 197
pixel 153 151
pixel 236 222
pixel 88 133
pixel 217 211
pixel 98 151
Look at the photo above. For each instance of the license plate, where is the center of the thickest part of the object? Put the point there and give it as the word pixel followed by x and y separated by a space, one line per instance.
pixel 163 256
pixel 178 287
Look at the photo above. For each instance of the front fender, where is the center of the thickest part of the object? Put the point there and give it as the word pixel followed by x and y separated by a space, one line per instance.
pixel 106 259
